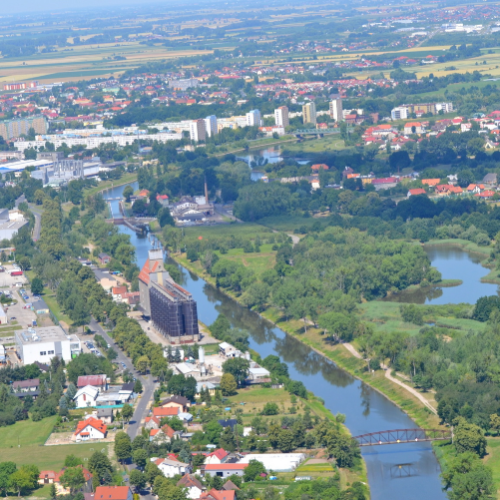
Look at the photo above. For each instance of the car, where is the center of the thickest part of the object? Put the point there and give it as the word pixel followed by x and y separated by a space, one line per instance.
pixel 13 317
pixel 109 346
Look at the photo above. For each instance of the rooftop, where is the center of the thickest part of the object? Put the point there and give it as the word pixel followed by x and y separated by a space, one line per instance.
pixel 43 334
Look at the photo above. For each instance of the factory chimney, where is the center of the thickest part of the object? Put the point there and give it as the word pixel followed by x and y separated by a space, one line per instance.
pixel 206 191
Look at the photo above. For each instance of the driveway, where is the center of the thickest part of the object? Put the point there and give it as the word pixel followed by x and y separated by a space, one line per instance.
pixel 148 384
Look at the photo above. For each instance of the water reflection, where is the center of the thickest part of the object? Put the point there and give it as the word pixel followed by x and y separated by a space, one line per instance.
pixel 453 264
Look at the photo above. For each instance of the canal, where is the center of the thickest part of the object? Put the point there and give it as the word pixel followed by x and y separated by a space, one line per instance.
pixel 408 471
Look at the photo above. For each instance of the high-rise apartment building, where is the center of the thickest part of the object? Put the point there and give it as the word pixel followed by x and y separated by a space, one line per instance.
pixel 336 110
pixel 172 309
pixel 197 131
pixel 281 117
pixel 211 125
pixel 399 113
pixel 309 113
pixel 19 126
pixel 253 118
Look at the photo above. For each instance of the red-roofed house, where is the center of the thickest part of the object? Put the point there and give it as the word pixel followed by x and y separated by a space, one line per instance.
pixel 216 457
pixel 224 470
pixel 318 167
pixel 162 199
pixel 152 423
pixel 410 126
pixel 431 182
pixel 165 412
pixel 113 493
pixel 486 194
pixel 475 188
pixel 117 293
pixel 415 192
pixel 98 381
pixel 194 487
pixel 214 494
pixel 91 428
pixel 50 477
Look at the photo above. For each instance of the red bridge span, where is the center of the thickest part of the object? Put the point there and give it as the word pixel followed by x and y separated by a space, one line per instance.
pixel 398 436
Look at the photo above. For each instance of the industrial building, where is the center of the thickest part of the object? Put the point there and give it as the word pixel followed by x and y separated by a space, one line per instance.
pixel 10 223
pixel 19 126
pixel 172 309
pixel 60 172
pixel 44 343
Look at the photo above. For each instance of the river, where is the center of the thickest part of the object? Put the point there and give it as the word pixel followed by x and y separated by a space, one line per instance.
pixel 408 471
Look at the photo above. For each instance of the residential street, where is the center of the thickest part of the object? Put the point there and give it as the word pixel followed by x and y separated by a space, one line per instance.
pixel 147 381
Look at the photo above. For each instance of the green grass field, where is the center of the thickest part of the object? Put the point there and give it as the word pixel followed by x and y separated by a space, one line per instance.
pixel 326 143
pixel 26 433
pixel 258 262
pixel 245 230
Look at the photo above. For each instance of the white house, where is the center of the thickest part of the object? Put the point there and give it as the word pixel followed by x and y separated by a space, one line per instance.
pixel 91 428
pixel 216 457
pixel 170 467
pixel 86 397
pixel 193 485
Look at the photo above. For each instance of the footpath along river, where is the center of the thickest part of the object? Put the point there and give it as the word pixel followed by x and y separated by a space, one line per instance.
pixel 366 410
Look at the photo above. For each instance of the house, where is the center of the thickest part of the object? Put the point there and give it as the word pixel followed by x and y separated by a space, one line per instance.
pixel 176 402
pixel 194 487
pixel 165 412
pixel 209 386
pixel 105 414
pixel 152 423
pixel 86 397
pixel 52 477
pixel 229 485
pixel 486 194
pixel 43 368
pixel 214 494
pixel 431 182
pixel 162 199
pixel 443 189
pixel 318 167
pixel 117 292
pixel 98 381
pixel 104 259
pixel 414 128
pixel 230 422
pixel 171 467
pixel 91 428
pixel 26 385
pixel 168 432
pixel 224 470
pixel 40 307
pixel 475 188
pixel 113 493
pixel 415 192
pixel 217 457
pixel 490 179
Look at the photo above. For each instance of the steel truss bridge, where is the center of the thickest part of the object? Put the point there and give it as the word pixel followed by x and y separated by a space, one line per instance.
pixel 398 436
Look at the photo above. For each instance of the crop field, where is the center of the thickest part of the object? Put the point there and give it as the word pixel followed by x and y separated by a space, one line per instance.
pixel 87 61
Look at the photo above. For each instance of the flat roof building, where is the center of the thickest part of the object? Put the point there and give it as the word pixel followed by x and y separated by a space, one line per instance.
pixel 44 343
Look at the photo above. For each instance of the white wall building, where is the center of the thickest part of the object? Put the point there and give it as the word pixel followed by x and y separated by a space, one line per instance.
pixel 211 125
pixel 170 467
pixel 400 113
pixel 86 397
pixel 309 113
pixel 278 462
pixel 253 118
pixel 281 117
pixel 42 344
pixel 197 132
pixel 336 110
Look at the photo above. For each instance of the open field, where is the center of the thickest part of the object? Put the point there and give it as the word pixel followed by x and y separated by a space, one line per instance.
pixel 326 143
pixel 226 231
pixel 26 433
pixel 87 61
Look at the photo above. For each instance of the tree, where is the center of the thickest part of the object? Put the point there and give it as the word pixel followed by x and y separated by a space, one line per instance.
pixel 127 193
pixel 123 446
pixel 36 286
pixel 72 461
pixel 238 368
pixel 25 479
pixel 227 439
pixel 53 491
pixel 469 437
pixel 228 384
pixel 253 469
pixel 137 479
pixel 151 471
pixel 465 177
pixel 127 412
pixel 6 470
pixel 165 218
pixel 142 364
pixel 100 466
pixel 73 479
pixel 286 441
pixel 140 457
pixel 466 477
pixel 137 386
pixel 495 422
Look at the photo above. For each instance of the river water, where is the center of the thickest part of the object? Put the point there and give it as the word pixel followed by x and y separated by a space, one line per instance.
pixel 395 472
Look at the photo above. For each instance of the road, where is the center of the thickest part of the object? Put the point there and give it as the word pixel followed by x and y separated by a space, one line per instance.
pixel 148 384
pixel 38 223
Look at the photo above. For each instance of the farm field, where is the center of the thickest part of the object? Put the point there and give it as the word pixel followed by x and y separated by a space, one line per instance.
pixel 87 61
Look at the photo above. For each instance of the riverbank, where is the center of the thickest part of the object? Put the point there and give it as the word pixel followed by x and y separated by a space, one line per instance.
pixel 338 353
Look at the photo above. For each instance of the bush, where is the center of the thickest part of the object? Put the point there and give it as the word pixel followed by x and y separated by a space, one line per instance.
pixel 270 409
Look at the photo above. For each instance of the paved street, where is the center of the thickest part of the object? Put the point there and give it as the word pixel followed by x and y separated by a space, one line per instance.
pixel 147 381
pixel 38 222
